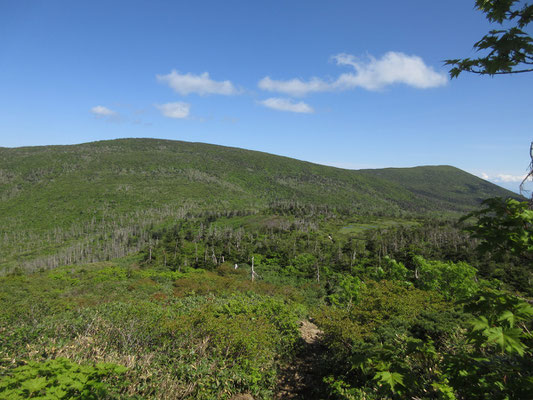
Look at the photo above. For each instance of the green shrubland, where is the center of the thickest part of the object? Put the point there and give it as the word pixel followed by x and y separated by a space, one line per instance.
pixel 213 344
pixel 183 318
pixel 130 276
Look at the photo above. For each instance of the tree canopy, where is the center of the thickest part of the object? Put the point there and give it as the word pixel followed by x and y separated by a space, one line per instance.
pixel 508 50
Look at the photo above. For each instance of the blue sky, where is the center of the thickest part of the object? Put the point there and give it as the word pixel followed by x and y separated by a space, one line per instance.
pixel 343 83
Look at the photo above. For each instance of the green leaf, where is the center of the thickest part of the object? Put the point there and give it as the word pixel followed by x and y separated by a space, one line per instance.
pixel 524 310
pixel 507 339
pixel 65 379
pixel 57 391
pixel 480 324
pixel 509 317
pixel 390 378
pixel 77 386
pixel 34 385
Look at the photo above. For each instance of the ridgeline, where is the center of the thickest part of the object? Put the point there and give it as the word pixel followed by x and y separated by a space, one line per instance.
pixel 61 204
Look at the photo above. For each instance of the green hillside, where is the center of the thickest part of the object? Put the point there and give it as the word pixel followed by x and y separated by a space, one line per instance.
pixel 88 200
pixel 444 186
pixel 150 269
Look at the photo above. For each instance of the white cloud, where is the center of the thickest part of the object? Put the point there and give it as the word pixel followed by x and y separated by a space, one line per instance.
pixel 294 87
pixel 346 59
pixel 101 111
pixel 392 68
pixel 502 178
pixel 373 74
pixel 201 84
pixel 280 104
pixel 174 110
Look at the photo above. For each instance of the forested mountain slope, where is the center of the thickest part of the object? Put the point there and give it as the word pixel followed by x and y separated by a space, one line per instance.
pixel 99 194
pixel 443 186
pixel 200 271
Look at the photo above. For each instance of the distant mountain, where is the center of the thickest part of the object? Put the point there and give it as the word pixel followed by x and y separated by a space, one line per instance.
pixel 512 186
pixel 57 196
pixel 443 186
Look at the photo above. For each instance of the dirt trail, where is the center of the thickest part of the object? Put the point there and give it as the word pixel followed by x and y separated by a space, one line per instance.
pixel 309 332
pixel 301 379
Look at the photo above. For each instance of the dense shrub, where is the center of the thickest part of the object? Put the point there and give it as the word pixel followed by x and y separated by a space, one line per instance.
pixel 202 346
pixel 386 342
pixel 63 379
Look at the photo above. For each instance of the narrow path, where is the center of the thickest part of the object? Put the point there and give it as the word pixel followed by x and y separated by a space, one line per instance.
pixel 301 379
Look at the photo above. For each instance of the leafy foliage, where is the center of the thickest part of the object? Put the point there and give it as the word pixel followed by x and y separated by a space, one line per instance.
pixel 495 359
pixel 501 320
pixel 453 280
pixel 392 345
pixel 509 50
pixel 376 350
pixel 387 345
pixel 62 379
pixel 343 289
pixel 175 342
pixel 504 226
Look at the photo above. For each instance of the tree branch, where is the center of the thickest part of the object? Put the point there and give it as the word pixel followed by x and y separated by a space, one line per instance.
pixel 499 73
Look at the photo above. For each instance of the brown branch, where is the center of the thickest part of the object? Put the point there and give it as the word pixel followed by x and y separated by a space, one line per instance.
pixel 499 73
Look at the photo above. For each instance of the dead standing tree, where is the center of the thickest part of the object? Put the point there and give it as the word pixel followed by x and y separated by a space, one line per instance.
pixel 529 176
pixel 253 273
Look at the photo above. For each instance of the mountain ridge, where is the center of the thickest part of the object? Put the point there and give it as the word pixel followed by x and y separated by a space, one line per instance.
pixel 72 192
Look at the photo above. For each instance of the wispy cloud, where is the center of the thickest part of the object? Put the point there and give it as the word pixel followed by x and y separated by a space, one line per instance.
pixel 295 87
pixel 176 110
pixel 370 74
pixel 280 104
pixel 202 84
pixel 503 178
pixel 101 111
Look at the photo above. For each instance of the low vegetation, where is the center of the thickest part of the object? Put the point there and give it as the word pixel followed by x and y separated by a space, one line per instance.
pixel 184 319
pixel 208 302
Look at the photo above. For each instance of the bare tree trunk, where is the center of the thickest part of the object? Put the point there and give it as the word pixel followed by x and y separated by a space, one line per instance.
pixel 213 256
pixel 529 175
pixel 253 272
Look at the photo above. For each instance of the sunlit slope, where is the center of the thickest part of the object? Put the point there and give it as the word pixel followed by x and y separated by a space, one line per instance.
pixel 442 186
pixel 57 196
